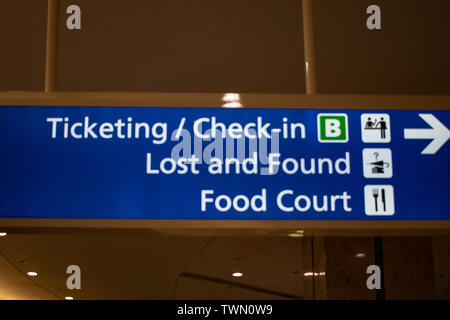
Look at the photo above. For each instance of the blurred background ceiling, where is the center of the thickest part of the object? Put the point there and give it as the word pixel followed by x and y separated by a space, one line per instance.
pixel 149 265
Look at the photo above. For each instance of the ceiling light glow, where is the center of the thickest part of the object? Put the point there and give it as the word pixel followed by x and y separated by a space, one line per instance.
pixel 295 235
pixel 231 100
pixel 315 274
pixel 233 104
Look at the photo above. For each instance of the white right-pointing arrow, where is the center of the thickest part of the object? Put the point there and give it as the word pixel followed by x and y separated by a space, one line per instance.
pixel 438 132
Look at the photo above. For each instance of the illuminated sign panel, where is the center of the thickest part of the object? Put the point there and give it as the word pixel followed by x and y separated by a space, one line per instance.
pixel 224 164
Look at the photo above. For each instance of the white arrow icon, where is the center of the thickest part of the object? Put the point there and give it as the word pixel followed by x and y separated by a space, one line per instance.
pixel 438 132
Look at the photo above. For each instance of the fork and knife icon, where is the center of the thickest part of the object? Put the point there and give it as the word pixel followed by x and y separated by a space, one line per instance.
pixel 375 193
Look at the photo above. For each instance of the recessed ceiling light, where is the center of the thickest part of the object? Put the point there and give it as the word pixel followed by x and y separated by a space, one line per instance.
pixel 237 274
pixel 32 274
pixel 68 298
pixel 360 255
pixel 3 234
pixel 229 97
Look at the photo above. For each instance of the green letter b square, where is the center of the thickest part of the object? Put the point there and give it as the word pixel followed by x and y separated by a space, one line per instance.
pixel 332 127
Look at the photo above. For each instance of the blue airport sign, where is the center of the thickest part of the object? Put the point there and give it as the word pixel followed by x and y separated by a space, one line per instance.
pixel 224 164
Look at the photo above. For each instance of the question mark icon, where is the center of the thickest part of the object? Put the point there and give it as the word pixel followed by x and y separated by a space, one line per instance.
pixel 376 155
